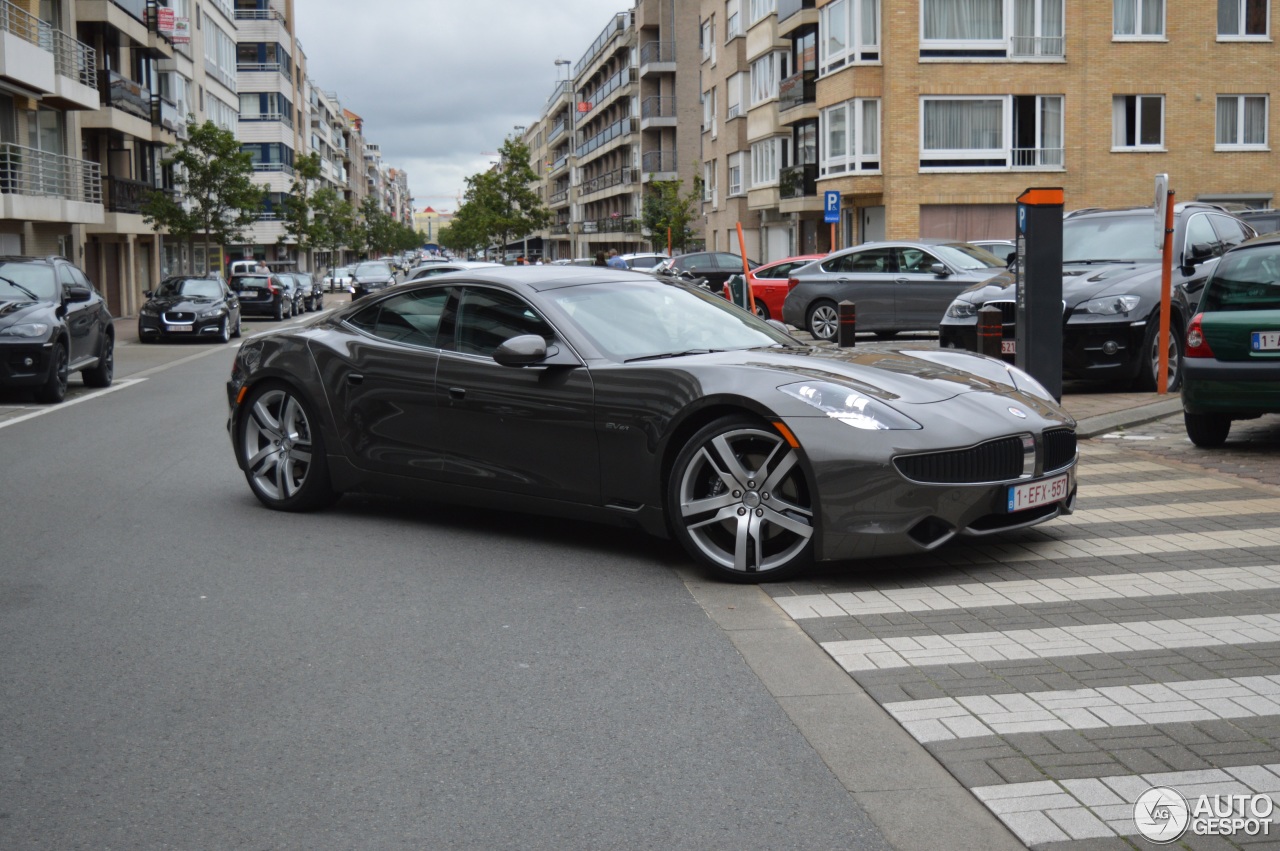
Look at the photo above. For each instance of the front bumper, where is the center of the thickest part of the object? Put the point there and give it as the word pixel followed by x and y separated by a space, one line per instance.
pixel 169 326
pixel 25 364
pixel 1091 349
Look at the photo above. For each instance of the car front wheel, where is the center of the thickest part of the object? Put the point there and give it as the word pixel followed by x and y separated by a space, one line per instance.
pixel 54 388
pixel 282 451
pixel 1207 430
pixel 1149 369
pixel 739 503
pixel 823 321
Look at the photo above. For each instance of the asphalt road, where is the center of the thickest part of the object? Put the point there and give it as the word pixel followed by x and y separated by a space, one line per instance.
pixel 182 668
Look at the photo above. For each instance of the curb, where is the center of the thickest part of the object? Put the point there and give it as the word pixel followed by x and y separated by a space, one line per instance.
pixel 1104 423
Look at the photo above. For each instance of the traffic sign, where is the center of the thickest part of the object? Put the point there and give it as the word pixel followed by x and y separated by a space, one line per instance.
pixel 831 207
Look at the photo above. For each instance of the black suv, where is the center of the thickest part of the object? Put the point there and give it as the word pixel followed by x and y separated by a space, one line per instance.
pixel 52 323
pixel 1111 291
pixel 312 291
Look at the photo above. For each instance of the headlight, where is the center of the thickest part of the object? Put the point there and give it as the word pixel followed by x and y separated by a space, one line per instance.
pixel 849 406
pixel 962 310
pixel 1110 305
pixel 148 310
pixel 210 311
pixel 30 329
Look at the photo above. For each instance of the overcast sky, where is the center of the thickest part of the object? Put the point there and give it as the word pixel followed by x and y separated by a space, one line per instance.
pixel 441 82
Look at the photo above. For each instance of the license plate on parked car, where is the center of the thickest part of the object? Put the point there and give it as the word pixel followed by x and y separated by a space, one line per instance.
pixel 1008 347
pixel 1266 341
pixel 1038 493
pixel 177 328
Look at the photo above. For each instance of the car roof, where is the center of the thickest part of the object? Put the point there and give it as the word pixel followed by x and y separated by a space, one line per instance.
pixel 1265 239
pixel 540 278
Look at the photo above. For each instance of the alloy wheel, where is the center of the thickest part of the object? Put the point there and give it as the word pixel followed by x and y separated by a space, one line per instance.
pixel 276 443
pixel 824 321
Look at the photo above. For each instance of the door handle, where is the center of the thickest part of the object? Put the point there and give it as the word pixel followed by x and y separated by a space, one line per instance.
pixel 355 378
pixel 457 392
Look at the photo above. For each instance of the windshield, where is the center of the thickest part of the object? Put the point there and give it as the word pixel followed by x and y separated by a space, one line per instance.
pixel 1125 238
pixel 190 287
pixel 643 319
pixel 1245 280
pixel 371 269
pixel 970 258
pixel 32 279
pixel 249 282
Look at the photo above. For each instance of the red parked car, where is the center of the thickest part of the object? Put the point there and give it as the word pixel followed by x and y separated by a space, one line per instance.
pixel 769 283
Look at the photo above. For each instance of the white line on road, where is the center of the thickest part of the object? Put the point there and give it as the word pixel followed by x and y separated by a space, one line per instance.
pixel 40 412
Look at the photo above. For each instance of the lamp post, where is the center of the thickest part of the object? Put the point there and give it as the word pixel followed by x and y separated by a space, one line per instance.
pixel 573 140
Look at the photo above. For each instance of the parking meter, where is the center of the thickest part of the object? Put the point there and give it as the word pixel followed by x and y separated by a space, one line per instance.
pixel 1038 327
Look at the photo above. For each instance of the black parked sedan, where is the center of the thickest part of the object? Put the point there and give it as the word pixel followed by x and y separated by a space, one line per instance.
pixel 615 396
pixel 187 307
pixel 262 294
pixel 52 323
pixel 370 276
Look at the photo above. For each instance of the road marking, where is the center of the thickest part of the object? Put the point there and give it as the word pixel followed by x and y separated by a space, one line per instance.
pixel 62 406
pixel 946 718
pixel 1019 592
pixel 1061 810
pixel 965 647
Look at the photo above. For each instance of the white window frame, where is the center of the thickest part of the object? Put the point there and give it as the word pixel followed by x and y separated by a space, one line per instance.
pixel 1241 101
pixel 1140 8
pixel 734 105
pixel 1117 119
pixel 709 40
pixel 759 10
pixel 736 185
pixel 732 20
pixel 1046 157
pixel 768 158
pixel 709 118
pixel 767 74
pixel 860 46
pixel 710 193
pixel 1241 10
pixel 861 153
pixel 1002 47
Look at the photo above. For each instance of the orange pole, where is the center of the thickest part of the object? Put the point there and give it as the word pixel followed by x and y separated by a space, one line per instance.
pixel 668 242
pixel 1166 284
pixel 746 271
pixel 833 236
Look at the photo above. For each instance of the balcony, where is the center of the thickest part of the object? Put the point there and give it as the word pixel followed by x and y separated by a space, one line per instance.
pixel 658 57
pixel 26 45
pixel 613 224
pixel 557 198
pixel 38 186
pixel 608 180
pixel 126 196
pixel 798 90
pixel 657 112
pixel 1050 159
pixel 555 131
pixel 119 92
pixel 165 114
pixel 658 165
pixel 798 181
pixel 791 17
pixel 559 228
pixel 600 96
pixel 616 130
pixel 615 27
pixel 1030 47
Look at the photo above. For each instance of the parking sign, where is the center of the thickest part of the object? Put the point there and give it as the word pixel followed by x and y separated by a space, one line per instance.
pixel 831 207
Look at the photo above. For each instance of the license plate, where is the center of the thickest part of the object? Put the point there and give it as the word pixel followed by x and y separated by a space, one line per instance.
pixel 1266 341
pixel 248 293
pixel 177 328
pixel 1008 347
pixel 1038 493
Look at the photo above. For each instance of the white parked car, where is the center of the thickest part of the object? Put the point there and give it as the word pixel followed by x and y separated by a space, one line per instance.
pixel 336 280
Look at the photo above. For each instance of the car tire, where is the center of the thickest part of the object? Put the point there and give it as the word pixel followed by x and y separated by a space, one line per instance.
pixel 144 338
pixel 224 330
pixel 1149 358
pixel 762 311
pixel 54 389
pixel 281 449
pixel 237 331
pixel 823 320
pixel 105 372
pixel 1207 431
pixel 280 311
pixel 740 521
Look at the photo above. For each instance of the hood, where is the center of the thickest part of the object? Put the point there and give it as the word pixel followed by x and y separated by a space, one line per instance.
pixel 19 312
pixel 1080 282
pixel 903 376
pixel 182 302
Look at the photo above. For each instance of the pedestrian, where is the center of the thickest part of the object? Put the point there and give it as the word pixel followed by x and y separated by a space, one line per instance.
pixel 615 261
pixel 520 261
pixel 600 261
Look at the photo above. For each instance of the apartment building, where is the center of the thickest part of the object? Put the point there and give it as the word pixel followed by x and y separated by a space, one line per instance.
pixel 930 117
pixel 48 78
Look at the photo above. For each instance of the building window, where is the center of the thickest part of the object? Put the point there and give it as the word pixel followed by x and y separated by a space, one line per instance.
pixel 766 73
pixel 709 183
pixel 981 29
pixel 732 20
pixel 1137 122
pixel 1138 18
pixel 1242 122
pixel 761 9
pixel 733 96
pixel 767 158
pixel 709 40
pixel 1242 18
pixel 709 112
pixel 850 137
pixel 850 33
pixel 1009 132
pixel 735 174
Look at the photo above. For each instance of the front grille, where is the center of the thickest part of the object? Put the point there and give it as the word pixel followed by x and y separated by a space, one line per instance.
pixel 1008 311
pixel 994 461
pixel 1059 448
pixel 179 317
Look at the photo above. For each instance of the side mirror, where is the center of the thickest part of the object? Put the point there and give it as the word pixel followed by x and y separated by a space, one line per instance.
pixel 1199 252
pixel 74 293
pixel 148 293
pixel 521 351
pixel 940 269
pixel 780 326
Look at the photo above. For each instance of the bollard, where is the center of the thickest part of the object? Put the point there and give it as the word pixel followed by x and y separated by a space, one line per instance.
pixel 846 335
pixel 990 331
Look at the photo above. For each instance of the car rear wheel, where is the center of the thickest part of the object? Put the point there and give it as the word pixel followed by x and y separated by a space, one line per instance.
pixel 279 311
pixel 739 503
pixel 102 374
pixel 1148 371
pixel 54 388
pixel 762 310
pixel 224 330
pixel 237 331
pixel 1207 430
pixel 823 321
pixel 282 451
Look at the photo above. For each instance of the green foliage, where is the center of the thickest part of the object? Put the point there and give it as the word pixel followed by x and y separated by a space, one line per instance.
pixel 378 232
pixel 333 221
pixel 498 206
pixel 213 175
pixel 298 213
pixel 664 207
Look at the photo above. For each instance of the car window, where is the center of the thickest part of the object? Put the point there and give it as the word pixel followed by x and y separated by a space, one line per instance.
pixel 488 318
pixel 1119 238
pixel 1200 232
pixel 731 262
pixel 1231 231
pixel 64 276
pixel 1245 280
pixel 779 272
pixel 412 317
pixel 79 277
pixel 368 269
pixel 644 262
pixel 917 260
pixel 871 260
pixel 970 258
pixel 32 279
pixel 249 282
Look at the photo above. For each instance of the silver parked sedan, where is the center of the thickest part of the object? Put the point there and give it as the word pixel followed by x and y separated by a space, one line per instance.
pixel 895 286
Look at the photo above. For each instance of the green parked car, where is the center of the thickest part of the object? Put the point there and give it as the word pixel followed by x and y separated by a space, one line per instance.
pixel 1232 357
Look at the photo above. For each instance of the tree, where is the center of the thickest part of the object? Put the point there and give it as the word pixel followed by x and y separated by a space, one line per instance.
pixel 215 195
pixel 333 221
pixel 664 207
pixel 297 213
pixel 503 207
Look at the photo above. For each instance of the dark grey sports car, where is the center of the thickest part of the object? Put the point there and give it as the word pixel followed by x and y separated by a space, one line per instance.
pixel 616 396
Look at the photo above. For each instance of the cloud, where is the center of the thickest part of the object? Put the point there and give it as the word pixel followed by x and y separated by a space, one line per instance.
pixel 440 82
